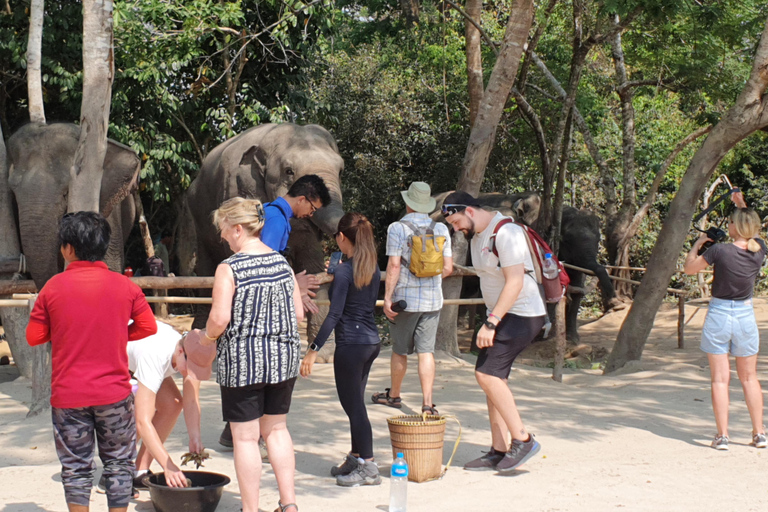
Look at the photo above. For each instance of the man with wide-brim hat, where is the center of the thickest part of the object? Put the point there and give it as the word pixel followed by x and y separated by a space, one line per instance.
pixel 418 282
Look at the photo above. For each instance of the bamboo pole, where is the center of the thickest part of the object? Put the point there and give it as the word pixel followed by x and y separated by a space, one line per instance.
pixel 681 321
pixel 615 278
pixel 22 299
pixel 557 371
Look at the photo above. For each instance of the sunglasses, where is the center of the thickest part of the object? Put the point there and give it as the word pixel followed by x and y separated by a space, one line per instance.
pixel 451 209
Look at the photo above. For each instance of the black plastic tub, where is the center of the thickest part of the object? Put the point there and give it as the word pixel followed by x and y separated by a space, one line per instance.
pixel 203 496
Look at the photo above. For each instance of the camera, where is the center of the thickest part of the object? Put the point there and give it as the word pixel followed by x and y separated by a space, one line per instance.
pixel 715 234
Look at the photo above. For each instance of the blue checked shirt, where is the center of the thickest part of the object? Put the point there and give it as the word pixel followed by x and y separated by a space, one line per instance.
pixel 421 293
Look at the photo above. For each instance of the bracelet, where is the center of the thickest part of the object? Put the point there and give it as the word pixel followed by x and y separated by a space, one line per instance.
pixel 494 316
pixel 205 333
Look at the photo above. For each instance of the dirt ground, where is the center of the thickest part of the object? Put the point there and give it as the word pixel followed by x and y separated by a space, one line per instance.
pixel 636 440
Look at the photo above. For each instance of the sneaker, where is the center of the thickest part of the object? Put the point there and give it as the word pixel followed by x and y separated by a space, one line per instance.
pixel 225 439
pixel 518 454
pixel 721 442
pixel 759 440
pixel 346 467
pixel 487 461
pixel 101 488
pixel 263 449
pixel 363 474
pixel 137 480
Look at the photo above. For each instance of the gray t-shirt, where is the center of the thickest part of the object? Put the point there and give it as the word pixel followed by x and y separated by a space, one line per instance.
pixel 735 270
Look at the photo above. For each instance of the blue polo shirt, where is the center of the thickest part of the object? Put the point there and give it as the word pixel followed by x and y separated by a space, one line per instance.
pixel 277 225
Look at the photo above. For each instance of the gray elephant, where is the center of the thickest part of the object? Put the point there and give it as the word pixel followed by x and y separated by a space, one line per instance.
pixel 263 162
pixel 40 159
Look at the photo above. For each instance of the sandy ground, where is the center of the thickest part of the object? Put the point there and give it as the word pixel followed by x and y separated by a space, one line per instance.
pixel 635 441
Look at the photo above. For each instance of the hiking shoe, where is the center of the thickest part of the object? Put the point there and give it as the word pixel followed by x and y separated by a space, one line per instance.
pixel 363 474
pixel 101 488
pixel 721 442
pixel 137 480
pixel 346 467
pixel 225 439
pixel 759 440
pixel 385 399
pixel 518 454
pixel 487 461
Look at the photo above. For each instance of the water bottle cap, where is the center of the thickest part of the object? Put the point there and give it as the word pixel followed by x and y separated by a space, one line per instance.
pixel 399 455
pixel 548 255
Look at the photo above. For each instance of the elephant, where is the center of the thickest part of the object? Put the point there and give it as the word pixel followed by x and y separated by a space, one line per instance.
pixel 40 159
pixel 263 162
pixel 579 245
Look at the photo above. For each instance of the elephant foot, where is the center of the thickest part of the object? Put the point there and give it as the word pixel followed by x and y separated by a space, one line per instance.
pixel 616 304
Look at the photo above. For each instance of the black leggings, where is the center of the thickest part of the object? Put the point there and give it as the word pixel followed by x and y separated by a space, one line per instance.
pixel 351 364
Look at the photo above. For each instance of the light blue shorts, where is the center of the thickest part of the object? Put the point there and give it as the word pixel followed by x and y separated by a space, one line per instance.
pixel 730 327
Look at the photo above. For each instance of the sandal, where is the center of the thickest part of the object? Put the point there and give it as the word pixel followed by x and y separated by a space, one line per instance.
pixel 430 410
pixel 283 508
pixel 385 399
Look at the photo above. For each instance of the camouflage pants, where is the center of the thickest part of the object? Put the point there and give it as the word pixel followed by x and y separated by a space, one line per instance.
pixel 115 429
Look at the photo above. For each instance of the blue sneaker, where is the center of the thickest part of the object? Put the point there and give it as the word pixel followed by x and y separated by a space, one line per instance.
pixel 518 454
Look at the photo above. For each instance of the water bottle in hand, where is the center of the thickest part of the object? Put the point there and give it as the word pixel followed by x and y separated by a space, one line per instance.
pixel 398 482
pixel 549 267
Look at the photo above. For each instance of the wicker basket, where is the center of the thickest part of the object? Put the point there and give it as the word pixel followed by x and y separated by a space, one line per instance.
pixel 421 443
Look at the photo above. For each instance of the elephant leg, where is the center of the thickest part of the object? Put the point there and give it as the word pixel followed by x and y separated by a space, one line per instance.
pixel 205 267
pixel 572 308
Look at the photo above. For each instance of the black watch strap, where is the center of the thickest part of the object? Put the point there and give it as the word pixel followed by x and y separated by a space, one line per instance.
pixel 490 325
pixel 314 347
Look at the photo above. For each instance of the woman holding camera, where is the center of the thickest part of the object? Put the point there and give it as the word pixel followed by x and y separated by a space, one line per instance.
pixel 353 298
pixel 730 325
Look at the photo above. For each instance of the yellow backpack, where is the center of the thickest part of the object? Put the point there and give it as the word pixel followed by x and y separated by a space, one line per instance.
pixel 426 251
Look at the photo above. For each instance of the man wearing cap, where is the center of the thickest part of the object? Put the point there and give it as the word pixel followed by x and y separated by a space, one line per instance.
pixel 415 328
pixel 154 361
pixel 516 314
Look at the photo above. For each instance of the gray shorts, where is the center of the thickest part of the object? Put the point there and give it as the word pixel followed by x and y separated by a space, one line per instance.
pixel 414 331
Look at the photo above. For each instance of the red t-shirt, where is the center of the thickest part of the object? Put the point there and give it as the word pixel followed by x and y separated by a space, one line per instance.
pixel 86 309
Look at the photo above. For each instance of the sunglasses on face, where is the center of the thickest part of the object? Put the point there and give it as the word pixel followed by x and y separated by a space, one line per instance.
pixel 451 209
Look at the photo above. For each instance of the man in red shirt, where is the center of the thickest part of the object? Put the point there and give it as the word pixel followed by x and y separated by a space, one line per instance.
pixel 84 312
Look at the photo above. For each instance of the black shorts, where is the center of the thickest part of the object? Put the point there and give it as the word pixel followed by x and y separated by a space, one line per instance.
pixel 252 402
pixel 513 334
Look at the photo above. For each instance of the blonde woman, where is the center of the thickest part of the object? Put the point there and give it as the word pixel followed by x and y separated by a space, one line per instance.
pixel 730 325
pixel 353 298
pixel 255 314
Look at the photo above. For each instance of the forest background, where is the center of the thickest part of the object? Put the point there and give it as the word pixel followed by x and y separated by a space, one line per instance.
pixel 390 81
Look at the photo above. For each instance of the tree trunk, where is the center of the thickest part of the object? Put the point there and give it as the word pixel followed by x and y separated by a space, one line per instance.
pixel 446 328
pixel 483 133
pixel 748 114
pixel 411 10
pixel 475 84
pixel 34 82
pixel 98 73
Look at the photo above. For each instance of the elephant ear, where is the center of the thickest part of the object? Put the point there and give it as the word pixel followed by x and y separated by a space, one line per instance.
pixel 256 158
pixel 121 176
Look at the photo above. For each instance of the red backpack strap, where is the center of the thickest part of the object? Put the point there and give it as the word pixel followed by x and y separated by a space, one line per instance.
pixel 499 225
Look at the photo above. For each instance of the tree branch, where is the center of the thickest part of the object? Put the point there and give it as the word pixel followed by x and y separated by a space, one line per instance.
pixel 483 33
pixel 535 123
pixel 522 81
pixel 191 136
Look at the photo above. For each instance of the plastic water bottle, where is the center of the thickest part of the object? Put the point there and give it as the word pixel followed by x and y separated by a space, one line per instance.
pixel 549 267
pixel 134 386
pixel 398 481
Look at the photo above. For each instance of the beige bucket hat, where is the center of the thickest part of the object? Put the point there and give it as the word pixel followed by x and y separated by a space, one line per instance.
pixel 419 197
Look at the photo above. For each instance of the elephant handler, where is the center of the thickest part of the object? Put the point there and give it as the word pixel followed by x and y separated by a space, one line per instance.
pixel 516 314
pixel 84 312
pixel 154 361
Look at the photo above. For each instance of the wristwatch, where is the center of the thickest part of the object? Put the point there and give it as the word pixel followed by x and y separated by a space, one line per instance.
pixel 489 324
pixel 314 347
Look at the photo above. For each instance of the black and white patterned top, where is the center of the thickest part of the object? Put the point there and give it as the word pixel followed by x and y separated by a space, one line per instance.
pixel 261 343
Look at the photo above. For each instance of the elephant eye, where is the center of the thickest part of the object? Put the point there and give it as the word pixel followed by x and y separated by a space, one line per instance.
pixel 289 171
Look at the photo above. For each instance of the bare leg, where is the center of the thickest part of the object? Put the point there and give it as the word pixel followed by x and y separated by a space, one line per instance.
pixel 746 367
pixel 281 455
pixel 427 376
pixel 168 407
pixel 397 364
pixel 500 396
pixel 245 436
pixel 720 370
pixel 84 508
pixel 499 430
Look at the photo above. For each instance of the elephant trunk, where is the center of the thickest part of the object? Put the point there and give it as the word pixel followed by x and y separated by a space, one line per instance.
pixel 327 218
pixel 40 248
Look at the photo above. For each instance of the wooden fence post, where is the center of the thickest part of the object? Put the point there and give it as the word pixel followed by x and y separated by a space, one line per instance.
pixel 681 320
pixel 557 371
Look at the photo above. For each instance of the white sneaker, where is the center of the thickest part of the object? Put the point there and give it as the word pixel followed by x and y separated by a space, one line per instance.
pixel 720 443
pixel 759 440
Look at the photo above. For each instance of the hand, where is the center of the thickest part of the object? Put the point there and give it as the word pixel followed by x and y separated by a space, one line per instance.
pixel 738 199
pixel 388 310
pixel 307 283
pixel 703 238
pixel 306 365
pixel 485 337
pixel 174 477
pixel 309 304
pixel 195 445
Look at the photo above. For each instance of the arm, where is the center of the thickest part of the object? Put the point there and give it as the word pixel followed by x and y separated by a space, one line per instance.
pixel 221 310
pixel 447 266
pixel 191 402
pixel 390 282
pixel 143 325
pixel 693 262
pixel 145 411
pixel 38 333
pixel 298 304
pixel 513 284
pixel 307 284
pixel 339 291
pixel 738 199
